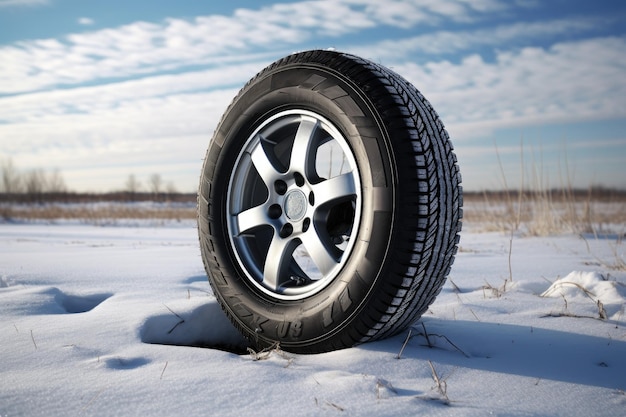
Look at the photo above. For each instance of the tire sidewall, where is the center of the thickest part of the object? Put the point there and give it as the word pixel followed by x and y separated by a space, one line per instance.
pixel 297 323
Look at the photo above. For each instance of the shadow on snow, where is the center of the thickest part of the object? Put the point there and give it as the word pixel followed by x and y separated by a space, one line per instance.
pixel 205 326
pixel 512 349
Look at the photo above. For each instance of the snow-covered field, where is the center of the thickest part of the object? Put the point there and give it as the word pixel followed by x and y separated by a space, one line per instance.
pixel 119 320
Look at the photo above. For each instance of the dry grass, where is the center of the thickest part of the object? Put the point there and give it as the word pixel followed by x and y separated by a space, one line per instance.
pixel 546 212
pixel 536 208
pixel 441 384
pixel 96 213
pixel 534 213
pixel 590 214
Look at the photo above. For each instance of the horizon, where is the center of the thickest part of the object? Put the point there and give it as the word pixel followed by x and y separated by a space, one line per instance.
pixel 529 92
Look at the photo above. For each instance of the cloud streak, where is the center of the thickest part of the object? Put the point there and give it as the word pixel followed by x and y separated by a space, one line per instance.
pixel 85 21
pixel 145 48
pixel 145 97
pixel 568 82
pixel 137 122
pixel 451 42
pixel 23 3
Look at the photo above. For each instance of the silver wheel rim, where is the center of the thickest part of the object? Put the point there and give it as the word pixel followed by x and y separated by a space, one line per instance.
pixel 294 204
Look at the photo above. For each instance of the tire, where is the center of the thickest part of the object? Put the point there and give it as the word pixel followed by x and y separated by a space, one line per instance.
pixel 329 206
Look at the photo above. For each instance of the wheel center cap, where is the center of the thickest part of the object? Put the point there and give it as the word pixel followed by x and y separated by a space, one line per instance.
pixel 295 205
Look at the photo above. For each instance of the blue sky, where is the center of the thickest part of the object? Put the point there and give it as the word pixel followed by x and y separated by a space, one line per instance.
pixel 104 89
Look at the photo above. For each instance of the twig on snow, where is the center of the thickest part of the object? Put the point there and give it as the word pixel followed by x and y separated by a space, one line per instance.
pixel 182 320
pixel 163 371
pixel 441 386
pixel 406 340
pixel 32 337
pixel 430 344
pixel 381 383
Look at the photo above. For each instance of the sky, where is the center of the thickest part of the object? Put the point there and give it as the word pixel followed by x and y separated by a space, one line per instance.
pixel 532 92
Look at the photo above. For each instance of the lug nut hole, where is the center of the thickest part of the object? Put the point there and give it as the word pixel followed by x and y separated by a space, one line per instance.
pixel 280 186
pixel 275 211
pixel 286 230
pixel 299 179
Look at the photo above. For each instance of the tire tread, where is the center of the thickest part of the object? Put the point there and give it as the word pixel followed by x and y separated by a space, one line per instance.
pixel 429 213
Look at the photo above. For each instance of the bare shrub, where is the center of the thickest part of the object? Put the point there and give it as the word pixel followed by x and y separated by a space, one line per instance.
pixel 11 179
pixel 156 185
pixel 35 185
pixel 132 186
pixel 55 182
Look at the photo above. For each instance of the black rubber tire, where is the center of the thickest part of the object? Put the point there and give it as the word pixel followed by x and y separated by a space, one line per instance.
pixel 409 198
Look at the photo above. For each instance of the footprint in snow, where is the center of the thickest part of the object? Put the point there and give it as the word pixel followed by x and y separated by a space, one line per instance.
pixel 119 363
pixel 203 326
pixel 26 300
pixel 73 304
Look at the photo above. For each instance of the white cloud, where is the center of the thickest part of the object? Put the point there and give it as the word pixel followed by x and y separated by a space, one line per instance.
pixel 402 13
pixel 448 42
pixel 32 107
pixel 132 123
pixel 86 21
pixel 568 82
pixel 160 115
pixel 147 48
pixel 22 3
pixel 147 134
pixel 97 123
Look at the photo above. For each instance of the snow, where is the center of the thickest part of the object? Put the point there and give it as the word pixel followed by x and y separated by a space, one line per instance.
pixel 120 320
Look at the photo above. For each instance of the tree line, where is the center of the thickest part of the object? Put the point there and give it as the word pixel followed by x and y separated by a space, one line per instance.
pixel 39 186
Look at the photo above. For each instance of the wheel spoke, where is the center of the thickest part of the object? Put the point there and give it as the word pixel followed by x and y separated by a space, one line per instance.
pixel 288 253
pixel 277 263
pixel 302 146
pixel 263 165
pixel 320 254
pixel 334 188
pixel 250 218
